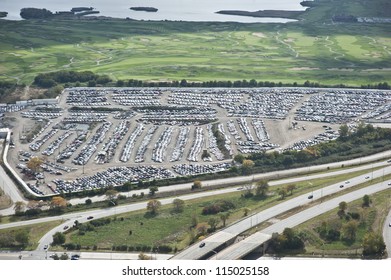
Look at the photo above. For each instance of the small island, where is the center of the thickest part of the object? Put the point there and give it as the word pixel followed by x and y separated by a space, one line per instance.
pixel 81 9
pixel 3 14
pixel 145 9
pixel 264 13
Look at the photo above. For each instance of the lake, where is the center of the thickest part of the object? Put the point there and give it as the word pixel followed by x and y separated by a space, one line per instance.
pixel 185 10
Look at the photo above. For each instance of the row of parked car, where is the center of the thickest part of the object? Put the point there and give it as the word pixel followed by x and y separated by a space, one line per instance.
pixel 114 176
pixel 88 150
pixel 159 152
pixel 129 145
pixel 213 148
pixel 144 144
pixel 137 97
pixel 194 169
pixel 110 147
pixel 180 144
pixel 197 144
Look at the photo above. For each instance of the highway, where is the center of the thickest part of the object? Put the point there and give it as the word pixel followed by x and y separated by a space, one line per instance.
pixel 241 248
pixel 228 234
pixel 387 232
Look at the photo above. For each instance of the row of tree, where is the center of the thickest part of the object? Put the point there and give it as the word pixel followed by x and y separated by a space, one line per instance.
pixel 47 80
pixel 51 79
pixel 238 84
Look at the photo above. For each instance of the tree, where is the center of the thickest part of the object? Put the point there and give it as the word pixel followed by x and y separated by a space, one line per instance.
pixel 153 206
pixel 179 205
pixel 349 230
pixel 247 166
pixel 19 207
pixel 262 187
pixel 58 202
pixel 111 197
pixel 246 210
pixel 64 256
pixel 194 220
pixel 153 190
pixel 196 185
pixel 213 223
pixel 247 190
pixel 88 201
pixel 224 217
pixel 58 238
pixel 366 201
pixel 342 207
pixel 202 229
pixel 373 245
pixel 343 131
pixel 239 158
pixel 35 164
pixel 290 188
pixel 282 192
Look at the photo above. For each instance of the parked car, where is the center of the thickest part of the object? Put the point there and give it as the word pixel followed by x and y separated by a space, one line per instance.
pixel 310 196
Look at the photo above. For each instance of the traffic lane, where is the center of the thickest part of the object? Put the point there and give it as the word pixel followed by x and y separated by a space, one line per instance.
pixel 387 232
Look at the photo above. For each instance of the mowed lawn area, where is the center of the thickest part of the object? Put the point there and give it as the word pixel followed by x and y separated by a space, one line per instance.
pixel 331 54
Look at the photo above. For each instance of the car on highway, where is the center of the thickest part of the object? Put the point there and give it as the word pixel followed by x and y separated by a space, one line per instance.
pixel 310 196
pixel 75 257
pixel 347 182
pixel 46 247
pixel 341 186
pixel 389 224
pixel 202 244
pixel 389 183
pixel 367 177
pixel 66 227
pixel 90 217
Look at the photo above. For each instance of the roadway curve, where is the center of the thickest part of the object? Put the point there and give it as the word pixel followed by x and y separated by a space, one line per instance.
pixel 235 251
pixel 387 233
pixel 229 233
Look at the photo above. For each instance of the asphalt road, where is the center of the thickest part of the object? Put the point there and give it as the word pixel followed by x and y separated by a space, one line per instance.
pixel 213 242
pixel 387 233
pixel 240 249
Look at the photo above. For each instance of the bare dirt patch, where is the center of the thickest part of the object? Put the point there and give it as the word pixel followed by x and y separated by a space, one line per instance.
pixel 259 35
pixel 303 68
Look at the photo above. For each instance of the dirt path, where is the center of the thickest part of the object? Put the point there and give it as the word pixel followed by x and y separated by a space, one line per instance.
pixel 286 44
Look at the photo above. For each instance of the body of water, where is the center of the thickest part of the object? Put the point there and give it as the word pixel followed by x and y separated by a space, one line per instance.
pixel 185 10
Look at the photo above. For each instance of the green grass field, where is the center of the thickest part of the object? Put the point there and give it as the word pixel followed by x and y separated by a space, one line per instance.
pixel 313 49
pixel 371 219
